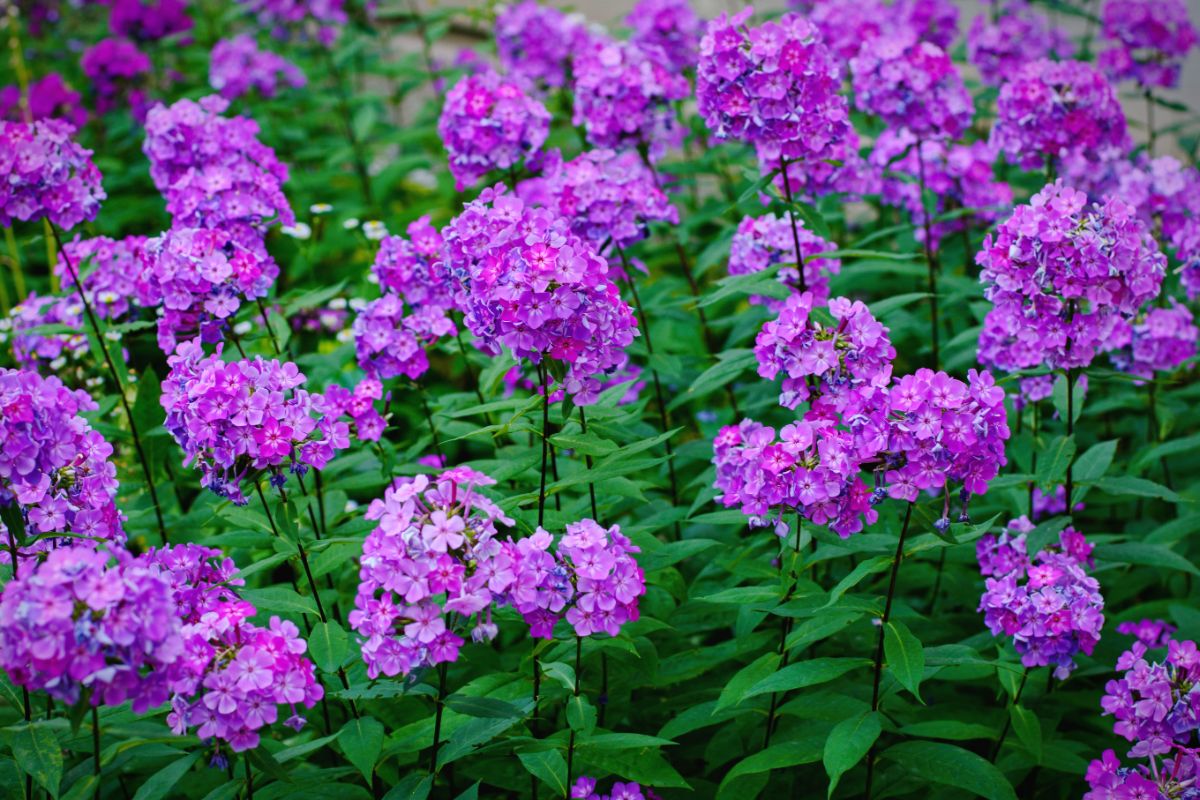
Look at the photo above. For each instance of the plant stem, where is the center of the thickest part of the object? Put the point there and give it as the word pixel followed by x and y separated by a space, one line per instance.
pixel 474 379
pixel 427 54
pixel 575 693
pixel 1070 433
pixel 1008 721
pixel 96 747
pixel 791 204
pixel 14 253
pixel 785 630
pixel 587 460
pixel 931 263
pixel 112 368
pixel 437 447
pixel 262 312
pixel 440 704
pixel 360 162
pixel 249 779
pixel 545 454
pixel 1151 133
pixel 883 622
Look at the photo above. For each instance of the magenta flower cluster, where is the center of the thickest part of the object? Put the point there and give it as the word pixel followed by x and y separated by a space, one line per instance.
pixel 237 67
pixel 959 176
pixel 1151 633
pixel 79 627
pixel 148 20
pixel 1149 41
pixel 490 123
pixel 1160 340
pixel 584 788
pixel 433 558
pixel 832 367
pixel 234 420
pixel 998 48
pixel 671 26
pixel 114 280
pixel 200 276
pixel 1155 705
pixel 40 351
pixel 1172 777
pixel 591 579
pixel 358 406
pixel 846 24
pixel 933 21
pixel 626 97
pixel 49 96
pixel 213 170
pixel 44 174
pixel 53 466
pixel 1049 109
pixel 1048 604
pixel 526 281
pixel 913 84
pixel 609 197
pixel 233 675
pixel 411 266
pixel 762 242
pixel 537 42
pixel 316 20
pixel 116 68
pixel 1060 275
pixel 775 86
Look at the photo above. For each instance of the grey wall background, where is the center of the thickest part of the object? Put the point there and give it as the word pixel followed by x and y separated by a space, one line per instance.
pixel 612 12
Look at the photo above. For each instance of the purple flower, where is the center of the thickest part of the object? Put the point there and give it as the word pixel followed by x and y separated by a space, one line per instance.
pixel 536 42
pixel 112 273
pixel 1152 633
pixel 489 123
pixel 912 84
pixel 45 174
pixel 53 466
pixel 1061 275
pixel 80 627
pixel 116 68
pixel 525 281
pixel 1049 605
pixel 432 558
pixel 48 97
pixel 1150 39
pixel 66 355
pixel 148 20
pixel 238 67
pixel 626 96
pixel 669 25
pixel 762 242
pixel 1158 340
pixel 1048 109
pixel 774 85
pixel 1019 35
pixel 1155 704
pixel 317 20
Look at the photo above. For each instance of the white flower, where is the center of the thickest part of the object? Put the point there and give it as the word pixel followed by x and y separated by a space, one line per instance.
pixel 320 208
pixel 300 230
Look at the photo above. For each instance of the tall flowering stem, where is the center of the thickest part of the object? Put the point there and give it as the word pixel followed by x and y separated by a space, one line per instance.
pixel 574 695
pixel 1008 718
pixel 112 369
pixel 787 191
pixel 883 622
pixel 931 263
pixel 785 631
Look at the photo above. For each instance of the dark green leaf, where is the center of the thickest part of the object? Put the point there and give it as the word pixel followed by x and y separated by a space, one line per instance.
pixel 905 656
pixel 362 741
pixel 848 742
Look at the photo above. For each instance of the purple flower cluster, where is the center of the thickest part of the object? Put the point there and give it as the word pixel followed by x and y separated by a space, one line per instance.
pixel 1150 41
pixel 392 332
pixel 585 789
pixel 114 280
pixel 960 176
pixel 358 405
pixel 1049 605
pixel 536 42
pixel 813 467
pixel 1152 633
pixel 941 429
pixel 237 67
pixel 669 25
pixel 933 21
pixel 433 558
pixel 913 84
pixel 842 170
pixel 1060 276
pixel 1049 109
pixel 211 169
pixel 200 275
pixel 490 123
pixel 53 466
pixel 48 352
pixel 762 242
pixel 148 20
pixel 78 627
pixel 1159 340
pixel 998 48
pixel 1155 705
pixel 1173 777
pixel 49 96
pixel 775 86
pixel 609 197
pixel 233 675
pixel 318 20
pixel 626 96
pixel 236 419
pixel 592 580
pixel 1047 505
pixel 45 174
pixel 841 364
pixel 527 282
pixel 116 68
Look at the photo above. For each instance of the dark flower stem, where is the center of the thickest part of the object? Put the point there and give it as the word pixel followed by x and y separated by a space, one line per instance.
pixel 1008 720
pixel 791 207
pixel 439 704
pixel 1070 432
pixel 249 778
pixel 883 622
pixel 544 380
pixel 96 747
pixel 360 161
pixel 574 694
pixel 112 368
pixel 437 447
pixel 426 53
pixel 931 262
pixel 587 460
pixel 785 630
